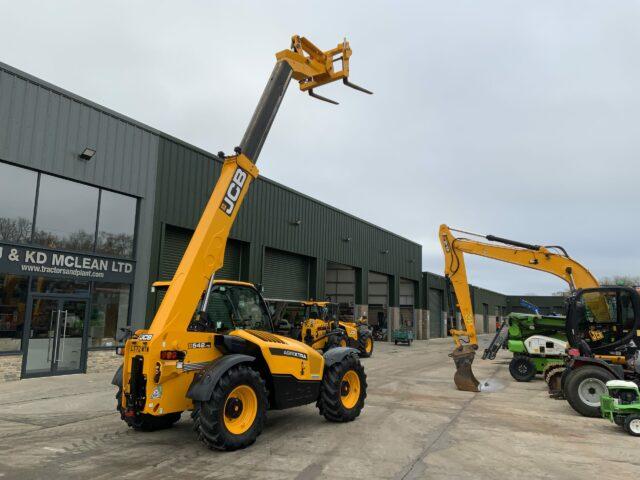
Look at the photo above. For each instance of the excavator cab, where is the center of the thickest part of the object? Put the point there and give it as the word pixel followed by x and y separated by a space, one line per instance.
pixel 602 320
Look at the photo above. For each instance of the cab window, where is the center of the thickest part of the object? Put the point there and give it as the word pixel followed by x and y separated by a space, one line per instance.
pixel 237 307
pixel 608 307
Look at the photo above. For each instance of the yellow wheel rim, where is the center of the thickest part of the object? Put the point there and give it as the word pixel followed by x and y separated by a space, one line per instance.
pixel 369 345
pixel 350 389
pixel 343 343
pixel 240 409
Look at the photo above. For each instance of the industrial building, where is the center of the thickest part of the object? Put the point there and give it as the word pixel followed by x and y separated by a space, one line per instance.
pixel 95 206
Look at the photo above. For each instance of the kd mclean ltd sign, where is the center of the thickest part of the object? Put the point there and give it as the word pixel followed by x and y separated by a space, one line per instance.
pixel 33 261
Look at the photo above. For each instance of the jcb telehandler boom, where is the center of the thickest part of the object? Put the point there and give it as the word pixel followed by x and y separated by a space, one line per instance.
pixel 536 257
pixel 211 346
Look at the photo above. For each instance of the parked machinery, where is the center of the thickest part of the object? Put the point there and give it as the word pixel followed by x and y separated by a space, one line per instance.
pixel 211 347
pixel 550 259
pixel 602 331
pixel 601 326
pixel 621 405
pixel 323 329
pixel 538 343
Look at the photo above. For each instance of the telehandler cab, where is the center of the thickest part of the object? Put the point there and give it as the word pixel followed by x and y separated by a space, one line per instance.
pixel 211 347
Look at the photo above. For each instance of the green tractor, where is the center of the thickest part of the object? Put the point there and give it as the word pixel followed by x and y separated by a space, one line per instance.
pixel 538 344
pixel 621 405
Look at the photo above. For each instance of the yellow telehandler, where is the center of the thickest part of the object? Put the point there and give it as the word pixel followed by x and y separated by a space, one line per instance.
pixel 210 347
pixel 319 325
pixel 322 329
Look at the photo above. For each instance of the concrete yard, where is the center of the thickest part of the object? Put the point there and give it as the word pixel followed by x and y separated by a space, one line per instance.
pixel 415 425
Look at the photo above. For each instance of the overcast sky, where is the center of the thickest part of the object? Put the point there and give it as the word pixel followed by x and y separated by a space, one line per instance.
pixel 516 118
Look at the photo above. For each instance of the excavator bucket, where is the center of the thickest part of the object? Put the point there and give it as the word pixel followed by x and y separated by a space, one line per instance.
pixel 463 358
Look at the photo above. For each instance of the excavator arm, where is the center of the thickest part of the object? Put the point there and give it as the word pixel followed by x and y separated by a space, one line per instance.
pixel 537 257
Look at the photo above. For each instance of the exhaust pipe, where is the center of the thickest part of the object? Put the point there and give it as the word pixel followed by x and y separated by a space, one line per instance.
pixel 463 358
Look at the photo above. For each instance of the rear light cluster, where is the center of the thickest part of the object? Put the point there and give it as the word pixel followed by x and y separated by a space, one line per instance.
pixel 171 355
pixel 573 352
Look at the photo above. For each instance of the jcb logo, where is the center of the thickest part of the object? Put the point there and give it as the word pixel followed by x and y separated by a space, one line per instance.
pixel 228 204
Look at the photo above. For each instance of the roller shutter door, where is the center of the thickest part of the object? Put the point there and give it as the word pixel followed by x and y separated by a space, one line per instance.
pixel 407 301
pixel 378 299
pixel 435 313
pixel 340 287
pixel 340 283
pixel 285 275
pixel 174 245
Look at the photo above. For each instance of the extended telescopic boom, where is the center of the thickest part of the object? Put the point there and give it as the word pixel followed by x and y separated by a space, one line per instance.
pixel 312 68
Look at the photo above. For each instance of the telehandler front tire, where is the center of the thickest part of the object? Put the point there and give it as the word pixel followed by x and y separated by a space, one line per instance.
pixel 145 422
pixel 365 343
pixel 343 390
pixel 234 416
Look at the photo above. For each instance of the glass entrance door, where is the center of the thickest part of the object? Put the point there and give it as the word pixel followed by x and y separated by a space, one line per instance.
pixel 55 336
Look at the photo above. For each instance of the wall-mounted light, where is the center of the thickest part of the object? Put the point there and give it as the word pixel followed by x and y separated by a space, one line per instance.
pixel 384 252
pixel 346 239
pixel 295 223
pixel 87 153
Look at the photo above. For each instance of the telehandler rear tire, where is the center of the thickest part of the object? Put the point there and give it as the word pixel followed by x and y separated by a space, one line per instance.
pixel 343 390
pixel 365 343
pixel 234 416
pixel 145 422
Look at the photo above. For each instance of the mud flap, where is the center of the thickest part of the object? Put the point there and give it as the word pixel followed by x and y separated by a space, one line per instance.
pixel 463 358
pixel 553 376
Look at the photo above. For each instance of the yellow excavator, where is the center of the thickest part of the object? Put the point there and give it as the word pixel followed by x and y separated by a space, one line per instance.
pixel 549 259
pixel 211 347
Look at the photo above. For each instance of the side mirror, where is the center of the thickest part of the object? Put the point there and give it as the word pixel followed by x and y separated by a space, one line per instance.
pixel 124 334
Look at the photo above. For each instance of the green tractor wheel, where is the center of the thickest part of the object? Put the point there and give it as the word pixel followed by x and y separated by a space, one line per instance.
pixel 632 425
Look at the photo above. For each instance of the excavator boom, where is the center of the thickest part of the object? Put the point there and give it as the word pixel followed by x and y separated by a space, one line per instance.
pixel 549 259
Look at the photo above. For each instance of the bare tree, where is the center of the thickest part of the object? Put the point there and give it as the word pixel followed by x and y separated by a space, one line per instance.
pixel 621 280
pixel 15 229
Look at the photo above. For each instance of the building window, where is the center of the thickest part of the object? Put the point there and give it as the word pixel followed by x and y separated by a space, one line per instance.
pixel 66 216
pixel 116 224
pixel 109 312
pixel 17 200
pixel 59 285
pixel 13 304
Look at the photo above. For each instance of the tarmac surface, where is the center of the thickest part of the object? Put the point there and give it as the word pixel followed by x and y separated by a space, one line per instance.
pixel 415 425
